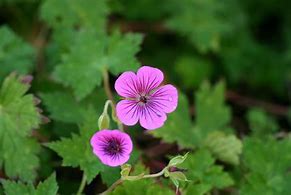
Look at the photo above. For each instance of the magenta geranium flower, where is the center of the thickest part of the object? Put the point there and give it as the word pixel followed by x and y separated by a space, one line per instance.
pixel 145 100
pixel 112 147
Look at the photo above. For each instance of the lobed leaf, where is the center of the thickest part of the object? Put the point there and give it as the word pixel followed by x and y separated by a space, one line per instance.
pixel 18 116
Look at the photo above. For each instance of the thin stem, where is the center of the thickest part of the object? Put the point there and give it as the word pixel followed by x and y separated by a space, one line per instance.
pixel 82 185
pixel 133 178
pixel 111 188
pixel 110 97
pixel 155 175
pixel 107 86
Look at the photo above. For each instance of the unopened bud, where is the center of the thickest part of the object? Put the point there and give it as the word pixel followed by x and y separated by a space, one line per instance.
pixel 103 121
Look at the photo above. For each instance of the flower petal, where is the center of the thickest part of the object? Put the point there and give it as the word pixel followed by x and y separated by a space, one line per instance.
pixel 127 112
pixel 101 137
pixel 125 141
pixel 126 85
pixel 115 161
pixel 151 118
pixel 149 78
pixel 165 98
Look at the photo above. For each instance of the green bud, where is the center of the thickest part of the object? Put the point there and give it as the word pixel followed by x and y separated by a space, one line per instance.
pixel 103 121
pixel 177 160
pixel 125 170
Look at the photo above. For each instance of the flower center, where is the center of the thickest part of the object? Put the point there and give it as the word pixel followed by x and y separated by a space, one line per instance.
pixel 113 147
pixel 143 99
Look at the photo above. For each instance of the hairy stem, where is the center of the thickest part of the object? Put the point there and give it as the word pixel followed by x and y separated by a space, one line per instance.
pixel 82 185
pixel 133 178
pixel 107 86
pixel 111 188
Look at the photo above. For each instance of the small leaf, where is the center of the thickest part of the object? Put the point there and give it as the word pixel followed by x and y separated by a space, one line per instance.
pixel 175 181
pixel 178 160
pixel 178 175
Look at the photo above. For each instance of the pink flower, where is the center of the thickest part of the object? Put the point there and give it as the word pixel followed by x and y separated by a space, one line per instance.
pixel 112 147
pixel 144 99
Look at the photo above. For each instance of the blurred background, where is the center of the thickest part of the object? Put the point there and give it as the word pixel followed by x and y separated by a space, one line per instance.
pixel 244 44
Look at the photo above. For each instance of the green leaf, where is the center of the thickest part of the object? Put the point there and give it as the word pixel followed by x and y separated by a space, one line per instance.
pixel 211 112
pixel 192 71
pixel 178 175
pixel 110 174
pixel 178 160
pixel 175 131
pixel 198 189
pixel 268 162
pixel 260 123
pixel 48 187
pixel 77 152
pixel 91 14
pixel 63 107
pixel 204 23
pixel 226 148
pixel 15 54
pixel 83 70
pixel 18 116
pixel 142 187
pixel 201 168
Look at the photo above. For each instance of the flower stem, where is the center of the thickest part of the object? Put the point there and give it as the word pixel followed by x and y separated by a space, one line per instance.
pixel 111 188
pixel 82 185
pixel 107 86
pixel 110 97
pixel 133 178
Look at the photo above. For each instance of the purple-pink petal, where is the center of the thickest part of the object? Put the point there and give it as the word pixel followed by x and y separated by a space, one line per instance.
pixel 149 78
pixel 126 85
pixel 101 141
pixel 151 118
pixel 165 98
pixel 128 111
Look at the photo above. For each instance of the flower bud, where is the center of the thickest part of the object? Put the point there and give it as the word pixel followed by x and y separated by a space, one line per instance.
pixel 103 121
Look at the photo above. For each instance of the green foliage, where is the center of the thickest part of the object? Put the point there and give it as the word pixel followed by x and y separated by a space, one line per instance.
pixel 211 115
pixel 211 111
pixel 260 123
pixel 77 151
pixel 256 68
pixel 72 13
pixel 192 70
pixel 68 44
pixel 144 186
pixel 140 10
pixel 82 70
pixel 204 22
pixel 268 162
pixel 18 116
pixel 47 187
pixel 63 107
pixel 226 148
pixel 175 131
pixel 204 174
pixel 15 54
